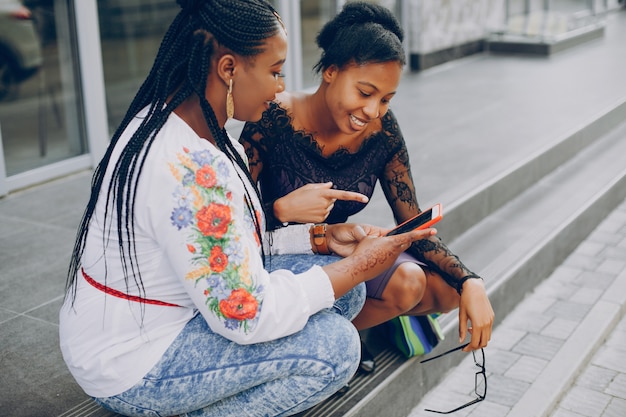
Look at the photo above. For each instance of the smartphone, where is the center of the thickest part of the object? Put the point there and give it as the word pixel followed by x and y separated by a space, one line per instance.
pixel 422 221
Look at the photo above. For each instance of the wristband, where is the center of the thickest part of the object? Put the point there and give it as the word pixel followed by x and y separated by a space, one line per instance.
pixel 459 283
pixel 320 245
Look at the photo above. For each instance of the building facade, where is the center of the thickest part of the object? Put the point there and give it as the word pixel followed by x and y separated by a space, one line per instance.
pixel 58 118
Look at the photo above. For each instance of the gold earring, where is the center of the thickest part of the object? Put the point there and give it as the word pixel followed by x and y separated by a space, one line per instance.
pixel 230 104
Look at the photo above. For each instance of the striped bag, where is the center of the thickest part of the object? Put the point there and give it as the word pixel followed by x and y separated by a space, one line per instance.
pixel 415 335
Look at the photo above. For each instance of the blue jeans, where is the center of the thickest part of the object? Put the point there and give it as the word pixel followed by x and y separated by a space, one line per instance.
pixel 205 374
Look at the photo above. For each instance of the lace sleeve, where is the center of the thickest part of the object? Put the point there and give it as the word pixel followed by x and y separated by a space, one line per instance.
pixel 252 138
pixel 397 184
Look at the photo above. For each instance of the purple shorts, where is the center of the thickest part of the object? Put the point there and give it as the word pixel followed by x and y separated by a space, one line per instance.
pixel 376 286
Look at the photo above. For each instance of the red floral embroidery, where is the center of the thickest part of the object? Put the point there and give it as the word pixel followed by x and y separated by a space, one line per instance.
pixel 240 305
pixel 218 259
pixel 206 177
pixel 213 220
pixel 191 248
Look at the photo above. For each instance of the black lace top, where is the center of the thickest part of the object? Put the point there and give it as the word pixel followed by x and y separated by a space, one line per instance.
pixel 284 159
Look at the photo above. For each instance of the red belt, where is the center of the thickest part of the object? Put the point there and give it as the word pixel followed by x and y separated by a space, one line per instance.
pixel 119 294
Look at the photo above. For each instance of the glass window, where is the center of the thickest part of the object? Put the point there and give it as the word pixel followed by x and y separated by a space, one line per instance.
pixel 314 14
pixel 131 32
pixel 39 101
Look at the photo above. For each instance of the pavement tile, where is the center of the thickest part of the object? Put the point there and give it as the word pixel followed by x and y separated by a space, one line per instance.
pixel 590 248
pixel 443 401
pixel 615 252
pixel 607 237
pixel 463 381
pixel 586 295
pixel 565 413
pixel 596 378
pixel 595 279
pixel 565 273
pixel 611 358
pixel 506 338
pixel 612 266
pixel 560 328
pixel 618 339
pixel 616 408
pixel 499 361
pixel 585 401
pixel 505 391
pixel 554 290
pixel 617 387
pixel 527 321
pixel 526 369
pixel 538 346
pixel 6 315
pixel 541 301
pixel 40 376
pixel 488 408
pixel 569 310
pixel 585 262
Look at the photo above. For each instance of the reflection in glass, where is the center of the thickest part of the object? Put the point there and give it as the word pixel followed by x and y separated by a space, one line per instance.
pixel 39 116
pixel 314 14
pixel 131 33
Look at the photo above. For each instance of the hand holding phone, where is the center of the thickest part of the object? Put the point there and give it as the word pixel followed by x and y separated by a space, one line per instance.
pixel 422 221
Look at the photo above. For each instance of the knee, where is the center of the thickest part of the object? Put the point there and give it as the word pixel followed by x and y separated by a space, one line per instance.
pixel 337 343
pixel 446 300
pixel 406 287
pixel 352 302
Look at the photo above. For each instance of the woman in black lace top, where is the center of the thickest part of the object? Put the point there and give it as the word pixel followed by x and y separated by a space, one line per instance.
pixel 318 157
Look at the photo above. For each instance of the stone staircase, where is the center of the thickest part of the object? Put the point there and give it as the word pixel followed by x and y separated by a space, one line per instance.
pixel 531 216
pixel 545 32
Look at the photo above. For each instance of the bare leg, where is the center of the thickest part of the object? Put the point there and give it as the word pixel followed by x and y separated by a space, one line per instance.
pixel 439 297
pixel 411 290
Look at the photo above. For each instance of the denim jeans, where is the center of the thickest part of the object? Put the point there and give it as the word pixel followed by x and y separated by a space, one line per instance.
pixel 205 374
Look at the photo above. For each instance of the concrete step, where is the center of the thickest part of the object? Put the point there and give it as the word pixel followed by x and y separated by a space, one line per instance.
pixel 531 216
pixel 513 231
pixel 544 32
pixel 545 353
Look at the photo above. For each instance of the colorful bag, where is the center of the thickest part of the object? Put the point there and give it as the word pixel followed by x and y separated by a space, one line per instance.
pixel 415 335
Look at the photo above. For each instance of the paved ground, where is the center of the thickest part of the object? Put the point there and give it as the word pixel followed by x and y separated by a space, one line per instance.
pixel 463 122
pixel 531 362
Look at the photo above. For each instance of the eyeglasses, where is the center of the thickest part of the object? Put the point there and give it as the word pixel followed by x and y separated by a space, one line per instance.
pixel 480 379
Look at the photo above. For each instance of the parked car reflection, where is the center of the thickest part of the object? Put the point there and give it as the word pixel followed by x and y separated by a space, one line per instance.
pixel 20 47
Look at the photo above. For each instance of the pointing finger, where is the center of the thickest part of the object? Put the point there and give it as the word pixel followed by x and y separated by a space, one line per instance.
pixel 346 196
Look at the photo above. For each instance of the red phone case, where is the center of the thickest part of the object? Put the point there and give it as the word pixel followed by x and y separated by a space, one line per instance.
pixel 422 221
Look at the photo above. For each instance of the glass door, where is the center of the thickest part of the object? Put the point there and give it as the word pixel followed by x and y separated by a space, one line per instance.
pixel 40 116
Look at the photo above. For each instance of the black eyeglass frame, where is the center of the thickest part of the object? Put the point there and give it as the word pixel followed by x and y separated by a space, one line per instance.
pixel 481 372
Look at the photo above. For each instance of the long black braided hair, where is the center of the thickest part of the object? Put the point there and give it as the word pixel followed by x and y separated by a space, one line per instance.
pixel 180 70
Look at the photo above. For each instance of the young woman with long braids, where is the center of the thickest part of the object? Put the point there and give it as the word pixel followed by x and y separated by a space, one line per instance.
pixel 309 146
pixel 169 310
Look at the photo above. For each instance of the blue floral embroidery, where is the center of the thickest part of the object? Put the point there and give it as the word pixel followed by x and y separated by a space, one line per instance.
pixel 203 205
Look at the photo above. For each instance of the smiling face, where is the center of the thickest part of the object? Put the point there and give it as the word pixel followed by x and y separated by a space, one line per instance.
pixel 260 79
pixel 358 94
